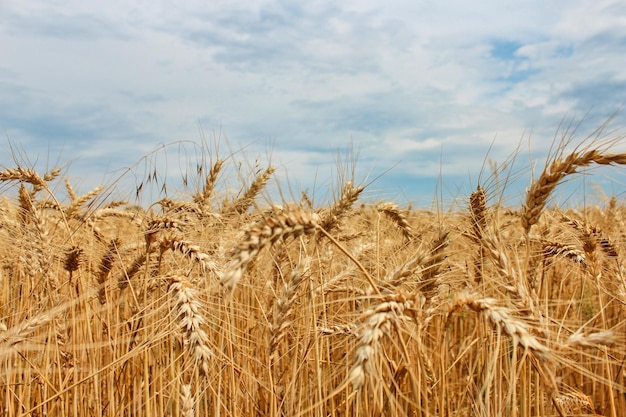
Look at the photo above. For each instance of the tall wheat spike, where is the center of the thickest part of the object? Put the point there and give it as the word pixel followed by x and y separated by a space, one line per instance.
pixel 331 217
pixel 245 201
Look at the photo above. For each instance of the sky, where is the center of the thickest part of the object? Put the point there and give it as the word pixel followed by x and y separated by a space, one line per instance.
pixel 421 94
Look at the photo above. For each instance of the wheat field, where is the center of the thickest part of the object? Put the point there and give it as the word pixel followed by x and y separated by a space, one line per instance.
pixel 222 304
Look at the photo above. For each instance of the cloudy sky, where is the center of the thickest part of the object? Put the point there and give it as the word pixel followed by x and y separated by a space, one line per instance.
pixel 419 89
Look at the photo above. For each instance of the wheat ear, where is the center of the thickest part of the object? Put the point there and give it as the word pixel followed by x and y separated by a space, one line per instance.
pixel 516 284
pixel 281 224
pixel 502 319
pixel 478 218
pixel 186 401
pixel 25 175
pixel 243 203
pixel 124 279
pixel 558 169
pixel 376 324
pixel 106 264
pixel 552 249
pixel 432 265
pixel 73 258
pixel 283 315
pixel 576 403
pixel 203 198
pixel 189 313
pixel 193 252
pixel 330 218
pixel 17 334
pixel 393 212
pixel 27 208
pixel 77 202
pixel 406 270
pixel 478 213
pixel 604 338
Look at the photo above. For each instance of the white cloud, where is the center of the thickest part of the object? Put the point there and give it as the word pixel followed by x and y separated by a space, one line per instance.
pixel 401 79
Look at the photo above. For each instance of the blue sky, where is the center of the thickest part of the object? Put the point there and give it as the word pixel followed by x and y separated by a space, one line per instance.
pixel 419 88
